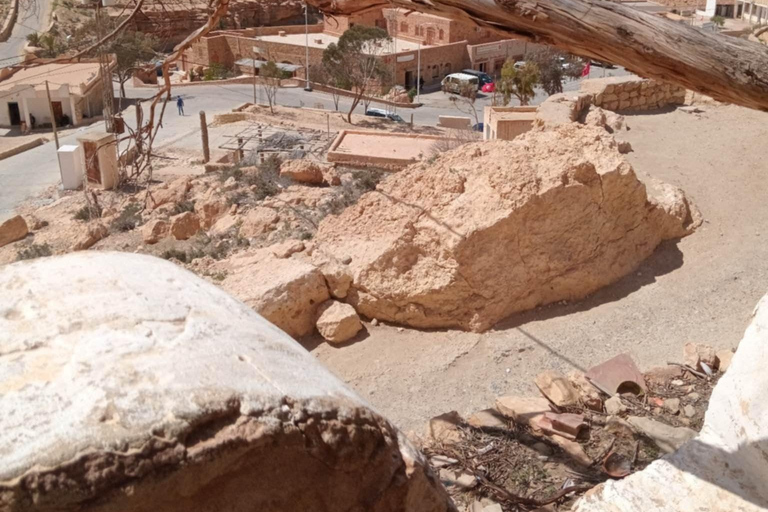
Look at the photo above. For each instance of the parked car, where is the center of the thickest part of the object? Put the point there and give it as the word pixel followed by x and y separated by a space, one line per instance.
pixel 460 83
pixel 479 127
pixel 380 112
pixel 601 64
pixel 482 77
pixel 489 87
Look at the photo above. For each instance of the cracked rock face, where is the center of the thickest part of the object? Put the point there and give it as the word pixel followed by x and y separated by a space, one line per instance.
pixel 495 228
pixel 127 383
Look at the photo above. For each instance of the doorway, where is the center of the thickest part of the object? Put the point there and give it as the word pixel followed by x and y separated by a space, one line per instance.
pixel 14 114
pixel 58 113
pixel 409 81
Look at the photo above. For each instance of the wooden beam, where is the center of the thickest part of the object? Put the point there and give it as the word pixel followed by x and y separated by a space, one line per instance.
pixel 726 68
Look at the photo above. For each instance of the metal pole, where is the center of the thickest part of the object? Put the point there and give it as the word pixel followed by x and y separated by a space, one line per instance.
pixel 308 87
pixel 418 76
pixel 204 134
pixel 53 118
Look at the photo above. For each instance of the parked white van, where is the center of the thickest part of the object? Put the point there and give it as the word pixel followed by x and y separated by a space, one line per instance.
pixel 459 83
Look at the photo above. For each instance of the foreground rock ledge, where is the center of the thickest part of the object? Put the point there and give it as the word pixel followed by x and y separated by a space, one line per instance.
pixel 724 469
pixel 128 384
pixel 495 228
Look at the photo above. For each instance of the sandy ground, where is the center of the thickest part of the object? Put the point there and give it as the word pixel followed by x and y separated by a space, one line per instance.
pixel 702 289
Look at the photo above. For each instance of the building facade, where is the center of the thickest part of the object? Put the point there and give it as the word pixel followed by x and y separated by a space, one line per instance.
pixel 75 88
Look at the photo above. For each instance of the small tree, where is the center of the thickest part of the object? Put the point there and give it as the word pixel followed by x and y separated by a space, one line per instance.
pixel 270 80
pixel 355 61
pixel 465 101
pixel 554 68
pixel 518 82
pixel 323 77
pixel 718 20
pixel 131 49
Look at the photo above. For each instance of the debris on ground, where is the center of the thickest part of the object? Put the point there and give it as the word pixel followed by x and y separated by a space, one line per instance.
pixel 530 452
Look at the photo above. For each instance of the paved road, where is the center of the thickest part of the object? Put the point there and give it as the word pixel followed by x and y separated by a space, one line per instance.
pixel 33 17
pixel 29 173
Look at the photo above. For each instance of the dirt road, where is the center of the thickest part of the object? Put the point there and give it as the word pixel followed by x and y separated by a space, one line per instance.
pixel 701 289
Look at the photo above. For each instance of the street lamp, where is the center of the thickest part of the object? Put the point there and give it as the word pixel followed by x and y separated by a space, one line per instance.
pixel 308 87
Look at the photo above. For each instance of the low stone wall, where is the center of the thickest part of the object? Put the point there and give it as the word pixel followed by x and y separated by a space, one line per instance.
pixel 632 93
pixel 22 147
pixel 9 22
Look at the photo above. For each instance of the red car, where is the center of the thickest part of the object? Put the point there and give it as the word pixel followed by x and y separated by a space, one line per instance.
pixel 489 87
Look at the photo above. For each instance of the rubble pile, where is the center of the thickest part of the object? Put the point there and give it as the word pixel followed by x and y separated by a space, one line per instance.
pixel 584 429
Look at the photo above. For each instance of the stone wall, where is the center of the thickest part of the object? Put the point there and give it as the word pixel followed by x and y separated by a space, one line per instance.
pixel 632 93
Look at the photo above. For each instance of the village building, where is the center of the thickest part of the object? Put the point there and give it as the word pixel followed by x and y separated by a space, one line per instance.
pixel 75 89
pixel 440 45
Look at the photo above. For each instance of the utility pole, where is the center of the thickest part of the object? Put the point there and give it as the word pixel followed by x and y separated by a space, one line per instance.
pixel 53 118
pixel 254 80
pixel 204 133
pixel 308 87
pixel 418 75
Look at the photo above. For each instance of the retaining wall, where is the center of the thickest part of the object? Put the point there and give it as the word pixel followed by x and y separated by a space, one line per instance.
pixel 632 93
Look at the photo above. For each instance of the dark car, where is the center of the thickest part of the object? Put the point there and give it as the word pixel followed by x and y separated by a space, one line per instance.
pixel 479 127
pixel 482 77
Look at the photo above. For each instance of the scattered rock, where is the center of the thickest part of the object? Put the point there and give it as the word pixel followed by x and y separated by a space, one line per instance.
pixel 286 249
pixel 693 397
pixel 588 394
pixel 662 374
pixel 523 410
pixel 184 226
pixel 154 230
pixel 427 253
pixel 557 388
pixel 487 418
pixel 573 450
pixel 619 427
pixel 457 479
pixel 337 322
pixel 614 406
pixel 624 147
pixel 724 358
pixel 667 438
pixel 694 354
pixel 258 221
pixel 689 411
pixel 495 507
pixel 566 425
pixel 672 405
pixel 445 428
pixel 287 292
pixel 94 232
pixel 439 461
pixel 12 230
pixel 211 208
pixel 677 382
pixel 303 171
pixel 170 193
pixel 675 215
pixel 374 322
pixel 230 183
pixel 224 224
pixel 35 223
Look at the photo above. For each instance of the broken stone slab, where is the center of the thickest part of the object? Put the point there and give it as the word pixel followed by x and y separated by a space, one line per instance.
pixel 184 226
pixel 566 425
pixel 487 419
pixel 721 470
pixel 618 375
pixel 588 394
pixel 523 410
pixel 445 428
pixel 557 388
pixel 287 292
pixel 154 231
pixel 337 322
pixel 724 358
pixel 12 230
pixel 694 354
pixel 129 384
pixel 574 450
pixel 666 437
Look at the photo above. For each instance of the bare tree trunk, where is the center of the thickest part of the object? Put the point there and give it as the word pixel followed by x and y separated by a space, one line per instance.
pixel 727 68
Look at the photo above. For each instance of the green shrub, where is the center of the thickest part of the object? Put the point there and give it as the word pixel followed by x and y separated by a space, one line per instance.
pixel 129 219
pixel 86 213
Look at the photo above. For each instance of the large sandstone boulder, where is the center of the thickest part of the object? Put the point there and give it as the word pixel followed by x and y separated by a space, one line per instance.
pixel 148 389
pixel 495 228
pixel 724 468
pixel 285 291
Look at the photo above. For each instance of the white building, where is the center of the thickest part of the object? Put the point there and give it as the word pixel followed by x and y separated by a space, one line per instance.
pixel 76 94
pixel 754 11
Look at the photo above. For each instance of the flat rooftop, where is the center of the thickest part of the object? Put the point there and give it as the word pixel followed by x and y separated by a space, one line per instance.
pixel 393 150
pixel 57 75
pixel 326 39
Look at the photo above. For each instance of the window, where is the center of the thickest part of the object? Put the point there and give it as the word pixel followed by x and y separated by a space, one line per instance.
pixel 441 34
pixel 482 67
pixel 446 69
pixel 403 27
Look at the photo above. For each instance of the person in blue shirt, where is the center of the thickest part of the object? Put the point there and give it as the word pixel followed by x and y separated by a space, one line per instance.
pixel 180 104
